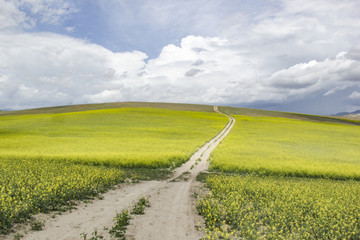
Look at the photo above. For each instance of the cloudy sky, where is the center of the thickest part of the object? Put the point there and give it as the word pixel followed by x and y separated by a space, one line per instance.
pixel 288 55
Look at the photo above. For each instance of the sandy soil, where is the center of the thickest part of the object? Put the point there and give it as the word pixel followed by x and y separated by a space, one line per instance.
pixel 172 214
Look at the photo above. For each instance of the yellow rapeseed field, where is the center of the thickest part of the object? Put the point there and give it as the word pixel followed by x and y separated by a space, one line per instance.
pixel 127 137
pixel 266 207
pixel 32 186
pixel 288 147
pixel 49 160
pixel 281 178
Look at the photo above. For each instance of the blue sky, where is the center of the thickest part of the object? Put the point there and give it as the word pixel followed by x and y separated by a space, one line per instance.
pixel 287 55
pixel 132 25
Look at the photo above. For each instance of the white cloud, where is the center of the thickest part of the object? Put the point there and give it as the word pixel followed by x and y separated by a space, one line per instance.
pixel 10 16
pixel 287 50
pixel 45 69
pixel 334 90
pixel 290 32
pixel 217 66
pixel 105 96
pixel 291 79
pixel 48 11
pixel 66 70
pixel 355 95
pixel 329 76
pixel 70 29
pixel 25 14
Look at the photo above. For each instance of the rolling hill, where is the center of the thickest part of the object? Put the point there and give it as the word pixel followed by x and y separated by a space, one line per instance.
pixel 184 107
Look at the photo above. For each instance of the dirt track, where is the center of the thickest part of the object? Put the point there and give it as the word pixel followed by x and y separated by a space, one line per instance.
pixel 172 214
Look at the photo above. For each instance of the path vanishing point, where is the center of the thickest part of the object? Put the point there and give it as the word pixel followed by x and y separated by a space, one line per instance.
pixel 172 214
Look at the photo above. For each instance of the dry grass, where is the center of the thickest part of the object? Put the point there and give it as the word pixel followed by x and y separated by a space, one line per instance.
pixel 306 117
pixel 99 106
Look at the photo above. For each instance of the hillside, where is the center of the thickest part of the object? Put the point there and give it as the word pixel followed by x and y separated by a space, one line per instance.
pixel 306 117
pixel 348 120
pixel 62 157
pixel 81 151
pixel 98 106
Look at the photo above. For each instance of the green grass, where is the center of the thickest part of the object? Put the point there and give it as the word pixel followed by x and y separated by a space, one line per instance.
pixel 289 147
pixel 122 220
pixel 255 207
pixel 126 137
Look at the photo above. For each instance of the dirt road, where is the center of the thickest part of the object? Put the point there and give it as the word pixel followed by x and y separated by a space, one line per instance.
pixel 172 214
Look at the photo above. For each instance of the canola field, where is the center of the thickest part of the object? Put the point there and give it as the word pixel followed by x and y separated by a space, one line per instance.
pixel 280 178
pixel 288 147
pixel 28 187
pixel 267 207
pixel 49 160
pixel 126 137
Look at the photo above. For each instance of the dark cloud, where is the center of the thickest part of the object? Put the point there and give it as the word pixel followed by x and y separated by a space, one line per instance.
pixel 192 72
pixel 198 62
pixel 354 53
pixel 291 83
pixel 198 49
pixel 109 73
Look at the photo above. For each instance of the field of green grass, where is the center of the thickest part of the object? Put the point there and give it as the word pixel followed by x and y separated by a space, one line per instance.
pixel 281 176
pixel 47 160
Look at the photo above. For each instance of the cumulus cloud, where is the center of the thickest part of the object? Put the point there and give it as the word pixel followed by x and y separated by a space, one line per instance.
pixel 220 68
pixel 45 69
pixel 64 70
pixel 329 76
pixel 291 79
pixel 355 95
pixel 291 32
pixel 289 51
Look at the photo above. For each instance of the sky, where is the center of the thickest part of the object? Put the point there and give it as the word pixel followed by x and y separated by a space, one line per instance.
pixel 286 55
